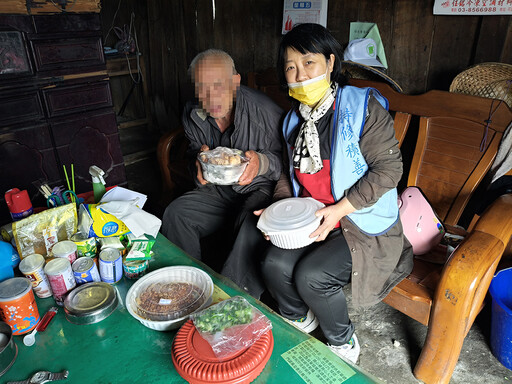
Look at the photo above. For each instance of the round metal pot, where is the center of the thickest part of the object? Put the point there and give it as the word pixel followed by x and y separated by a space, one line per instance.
pixel 8 348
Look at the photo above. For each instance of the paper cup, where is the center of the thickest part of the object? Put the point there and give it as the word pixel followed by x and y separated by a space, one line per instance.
pixel 32 267
pixel 65 249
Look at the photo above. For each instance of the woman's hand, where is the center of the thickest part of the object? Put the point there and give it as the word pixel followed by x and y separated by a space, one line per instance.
pixel 258 213
pixel 331 214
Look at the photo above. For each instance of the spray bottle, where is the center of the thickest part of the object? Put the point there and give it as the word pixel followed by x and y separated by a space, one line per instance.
pixel 98 183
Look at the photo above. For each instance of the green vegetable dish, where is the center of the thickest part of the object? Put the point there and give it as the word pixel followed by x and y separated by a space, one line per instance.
pixel 226 314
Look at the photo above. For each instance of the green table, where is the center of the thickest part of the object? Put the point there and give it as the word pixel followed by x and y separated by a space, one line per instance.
pixel 120 349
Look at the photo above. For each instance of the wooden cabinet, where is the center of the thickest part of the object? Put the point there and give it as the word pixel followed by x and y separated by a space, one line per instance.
pixel 55 104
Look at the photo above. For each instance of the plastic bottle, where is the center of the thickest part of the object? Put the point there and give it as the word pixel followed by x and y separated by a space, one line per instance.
pixel 98 183
pixel 18 203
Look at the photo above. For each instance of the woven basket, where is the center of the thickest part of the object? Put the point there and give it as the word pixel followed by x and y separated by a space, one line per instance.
pixel 491 80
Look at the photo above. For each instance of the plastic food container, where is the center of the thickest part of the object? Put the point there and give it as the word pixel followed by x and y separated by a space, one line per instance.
pixel 222 165
pixel 289 222
pixel 163 299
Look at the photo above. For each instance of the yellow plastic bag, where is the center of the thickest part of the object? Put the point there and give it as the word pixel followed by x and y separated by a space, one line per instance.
pixel 40 231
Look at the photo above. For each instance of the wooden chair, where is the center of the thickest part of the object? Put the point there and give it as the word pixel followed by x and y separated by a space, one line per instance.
pixel 171 155
pixel 448 166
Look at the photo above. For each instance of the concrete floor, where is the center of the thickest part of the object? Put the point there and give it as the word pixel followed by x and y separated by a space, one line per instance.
pixel 391 343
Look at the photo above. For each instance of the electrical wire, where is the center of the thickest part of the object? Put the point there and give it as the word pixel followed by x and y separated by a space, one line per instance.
pixel 133 32
pixel 113 22
pixel 62 8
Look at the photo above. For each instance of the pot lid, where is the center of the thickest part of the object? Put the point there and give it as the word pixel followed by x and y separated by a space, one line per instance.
pixel 289 214
pixel 90 303
pixel 195 361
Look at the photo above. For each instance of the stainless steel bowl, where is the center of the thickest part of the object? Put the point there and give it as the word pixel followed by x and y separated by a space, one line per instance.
pixel 90 303
pixel 8 348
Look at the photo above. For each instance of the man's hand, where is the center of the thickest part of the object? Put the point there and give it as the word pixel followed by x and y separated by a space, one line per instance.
pixel 200 177
pixel 252 168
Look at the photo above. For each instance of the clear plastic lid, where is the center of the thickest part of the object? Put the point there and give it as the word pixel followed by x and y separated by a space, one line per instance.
pixel 169 294
pixel 222 166
pixel 289 214
pixel 223 156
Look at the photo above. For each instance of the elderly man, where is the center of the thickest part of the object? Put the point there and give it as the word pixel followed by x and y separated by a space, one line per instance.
pixel 228 115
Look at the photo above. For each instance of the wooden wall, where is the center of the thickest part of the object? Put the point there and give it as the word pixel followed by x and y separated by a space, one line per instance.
pixel 423 51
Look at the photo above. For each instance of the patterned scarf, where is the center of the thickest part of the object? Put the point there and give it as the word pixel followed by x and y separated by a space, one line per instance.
pixel 306 154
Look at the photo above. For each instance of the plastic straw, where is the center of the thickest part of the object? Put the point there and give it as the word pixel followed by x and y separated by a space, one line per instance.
pixel 73 180
pixel 67 179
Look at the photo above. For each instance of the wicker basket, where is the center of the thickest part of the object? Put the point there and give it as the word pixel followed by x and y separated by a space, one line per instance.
pixel 491 80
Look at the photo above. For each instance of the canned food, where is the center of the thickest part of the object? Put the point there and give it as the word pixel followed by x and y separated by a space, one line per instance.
pixel 84 246
pixel 61 277
pixel 85 270
pixel 18 306
pixel 111 265
pixel 133 269
pixel 65 249
pixel 32 267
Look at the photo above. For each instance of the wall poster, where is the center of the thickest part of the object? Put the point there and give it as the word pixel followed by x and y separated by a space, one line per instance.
pixel 298 12
pixel 473 7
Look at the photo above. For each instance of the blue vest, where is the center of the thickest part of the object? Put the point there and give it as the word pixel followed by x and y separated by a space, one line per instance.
pixel 347 162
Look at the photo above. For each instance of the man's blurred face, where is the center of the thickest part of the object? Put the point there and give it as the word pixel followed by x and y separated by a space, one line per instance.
pixel 216 86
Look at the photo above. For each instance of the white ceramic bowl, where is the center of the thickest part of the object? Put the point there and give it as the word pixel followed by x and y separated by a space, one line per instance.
pixel 176 274
pixel 289 222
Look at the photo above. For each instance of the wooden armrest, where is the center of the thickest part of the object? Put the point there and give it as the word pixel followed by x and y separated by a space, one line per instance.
pixel 166 142
pixel 497 219
pixel 466 276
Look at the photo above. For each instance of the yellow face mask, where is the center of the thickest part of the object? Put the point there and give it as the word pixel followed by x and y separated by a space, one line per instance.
pixel 309 92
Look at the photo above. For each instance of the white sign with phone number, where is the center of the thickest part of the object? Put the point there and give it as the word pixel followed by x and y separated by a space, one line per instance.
pixel 473 7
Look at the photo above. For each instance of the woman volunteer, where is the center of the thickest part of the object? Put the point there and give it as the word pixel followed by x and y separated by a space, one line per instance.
pixel 342 152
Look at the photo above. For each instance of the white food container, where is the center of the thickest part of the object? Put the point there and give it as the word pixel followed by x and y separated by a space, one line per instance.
pixel 223 173
pixel 289 222
pixel 175 317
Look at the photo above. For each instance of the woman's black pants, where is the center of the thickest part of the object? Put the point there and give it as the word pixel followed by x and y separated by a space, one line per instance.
pixel 313 277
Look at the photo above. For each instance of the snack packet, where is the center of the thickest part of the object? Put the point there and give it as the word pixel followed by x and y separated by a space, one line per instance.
pixel 140 250
pixel 40 231
pixel 95 222
pixel 231 325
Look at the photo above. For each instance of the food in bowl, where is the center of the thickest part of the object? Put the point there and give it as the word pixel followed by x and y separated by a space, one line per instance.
pixel 167 301
pixel 289 222
pixel 222 165
pixel 163 299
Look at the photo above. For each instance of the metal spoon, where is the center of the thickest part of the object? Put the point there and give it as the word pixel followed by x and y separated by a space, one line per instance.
pixel 30 338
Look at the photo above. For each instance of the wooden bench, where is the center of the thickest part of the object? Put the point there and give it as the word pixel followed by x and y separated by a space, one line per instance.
pixel 448 165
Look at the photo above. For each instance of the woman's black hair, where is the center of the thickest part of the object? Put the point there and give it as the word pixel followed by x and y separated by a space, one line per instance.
pixel 311 38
